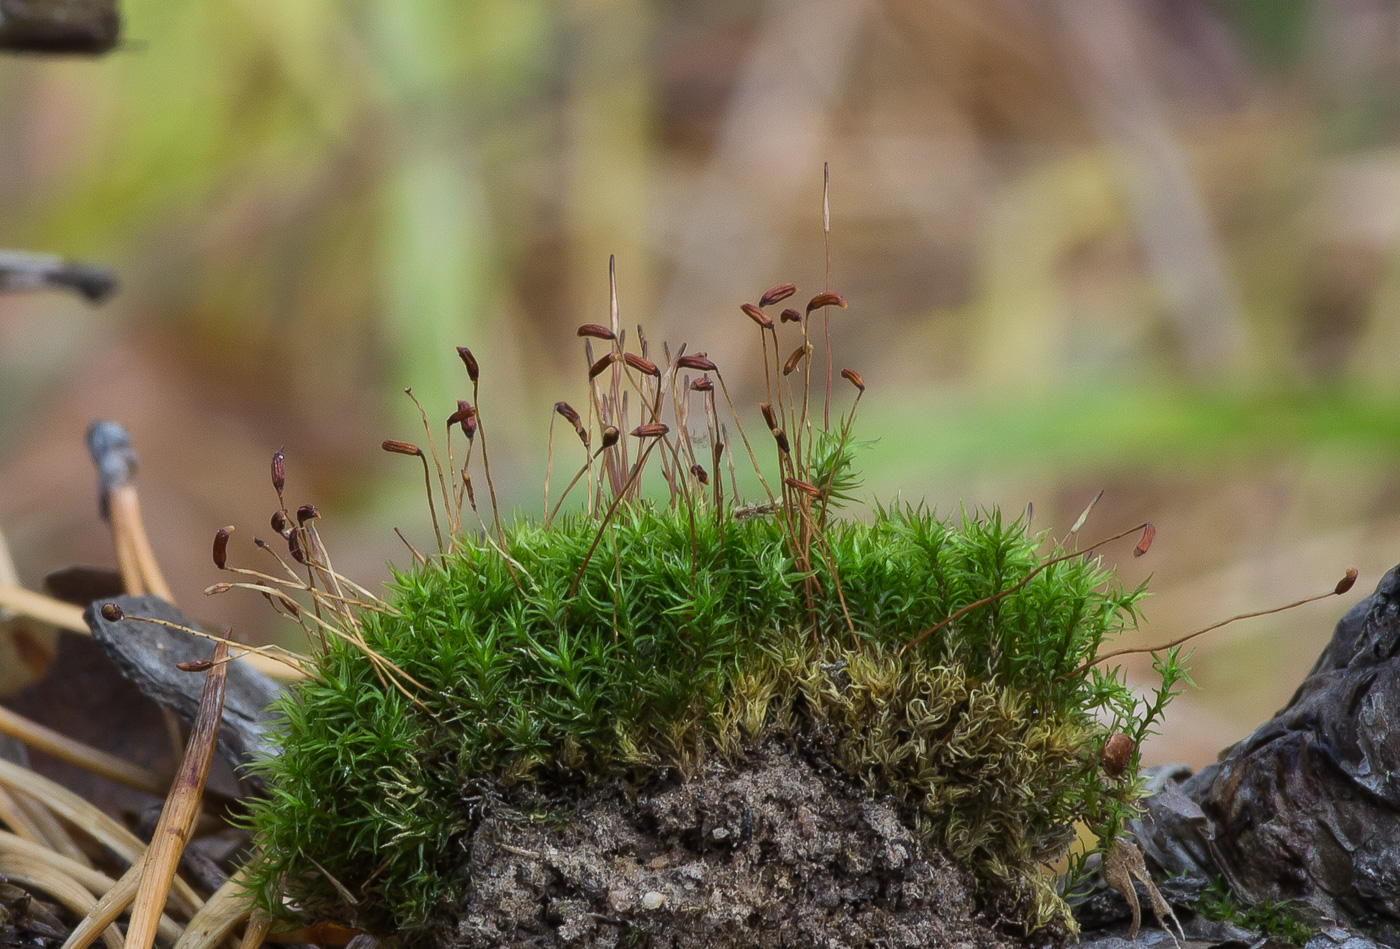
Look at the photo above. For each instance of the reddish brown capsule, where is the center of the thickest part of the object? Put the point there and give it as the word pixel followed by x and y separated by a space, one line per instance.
pixel 781 438
pixel 610 436
pixel 811 490
pixel 698 362
pixel 279 521
pixel 641 364
pixel 1345 584
pixel 466 417
pixel 778 294
pixel 825 299
pixel 768 415
pixel 601 364
pixel 221 547
pixel 307 512
pixel 700 474
pixel 111 612
pixel 650 430
pixel 854 378
pixel 703 384
pixel 1116 755
pixel 279 471
pixel 195 665
pixel 571 414
pixel 791 365
pixel 790 316
pixel 596 331
pixel 468 360
pixel 400 448
pixel 757 315
pixel 1148 533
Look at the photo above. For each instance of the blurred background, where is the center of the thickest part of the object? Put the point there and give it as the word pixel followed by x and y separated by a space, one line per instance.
pixel 1143 247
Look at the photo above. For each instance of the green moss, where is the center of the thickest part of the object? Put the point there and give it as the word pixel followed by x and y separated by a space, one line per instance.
pixel 1271 918
pixel 691 635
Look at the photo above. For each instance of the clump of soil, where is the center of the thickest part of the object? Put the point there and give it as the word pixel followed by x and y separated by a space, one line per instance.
pixel 780 851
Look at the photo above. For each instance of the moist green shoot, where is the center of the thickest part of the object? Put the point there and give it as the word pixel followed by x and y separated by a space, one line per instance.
pixel 949 663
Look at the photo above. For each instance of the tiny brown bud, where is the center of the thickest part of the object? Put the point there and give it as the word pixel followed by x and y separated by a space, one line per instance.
pixel 700 474
pixel 757 315
pixel 854 378
pixel 811 490
pixel 279 471
pixel 596 331
pixel 466 416
pixel 1117 753
pixel 768 415
pixel 401 448
pixel 221 547
pixel 279 521
pixel 703 384
pixel 825 299
pixel 1345 584
pixel 195 665
pixel 790 316
pixel 698 362
pixel 610 436
pixel 603 363
pixel 111 612
pixel 259 543
pixel 791 365
pixel 781 438
pixel 650 430
pixel 641 364
pixel 216 588
pixel 1148 533
pixel 468 360
pixel 307 512
pixel 778 294
pixel 571 414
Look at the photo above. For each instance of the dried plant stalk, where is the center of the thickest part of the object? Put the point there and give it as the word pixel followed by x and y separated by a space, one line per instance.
pixel 180 811
pixel 92 822
pixel 76 753
pixel 31 873
pixel 94 881
pixel 229 906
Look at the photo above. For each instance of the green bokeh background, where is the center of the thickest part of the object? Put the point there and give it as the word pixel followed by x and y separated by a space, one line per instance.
pixel 1143 247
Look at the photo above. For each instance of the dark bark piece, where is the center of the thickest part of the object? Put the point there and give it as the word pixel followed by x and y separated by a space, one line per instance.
pixel 147 653
pixel 1307 808
pixel 87 27
pixel 84 697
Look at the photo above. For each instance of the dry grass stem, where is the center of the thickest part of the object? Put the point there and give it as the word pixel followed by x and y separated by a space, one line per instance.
pixel 134 545
pixel 59 840
pixel 229 906
pixel 181 809
pixel 15 817
pixel 105 911
pixel 32 873
pixel 78 754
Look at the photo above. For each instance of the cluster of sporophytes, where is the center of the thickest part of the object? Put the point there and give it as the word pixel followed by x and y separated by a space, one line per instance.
pixel 949 662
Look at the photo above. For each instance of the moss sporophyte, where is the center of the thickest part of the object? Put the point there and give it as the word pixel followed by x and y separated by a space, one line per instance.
pixel 946 664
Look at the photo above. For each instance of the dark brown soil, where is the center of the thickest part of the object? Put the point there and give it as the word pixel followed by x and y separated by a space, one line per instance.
pixel 778 852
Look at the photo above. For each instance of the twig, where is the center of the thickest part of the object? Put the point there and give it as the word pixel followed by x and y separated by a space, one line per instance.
pixel 181 808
